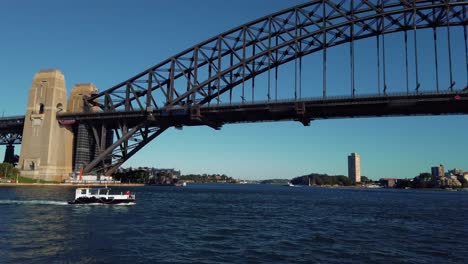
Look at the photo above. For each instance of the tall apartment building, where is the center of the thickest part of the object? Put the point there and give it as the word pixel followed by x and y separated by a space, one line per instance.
pixel 354 167
pixel 438 171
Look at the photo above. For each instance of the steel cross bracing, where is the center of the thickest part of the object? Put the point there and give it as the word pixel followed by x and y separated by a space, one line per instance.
pixel 129 140
pixel 11 130
pixel 10 139
pixel 207 74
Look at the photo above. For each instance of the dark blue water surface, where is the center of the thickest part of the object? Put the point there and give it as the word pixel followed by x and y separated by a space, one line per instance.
pixel 236 224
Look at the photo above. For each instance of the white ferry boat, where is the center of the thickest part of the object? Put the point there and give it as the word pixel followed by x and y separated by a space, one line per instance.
pixel 101 196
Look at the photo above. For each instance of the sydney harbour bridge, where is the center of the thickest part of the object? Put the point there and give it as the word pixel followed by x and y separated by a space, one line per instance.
pixel 234 77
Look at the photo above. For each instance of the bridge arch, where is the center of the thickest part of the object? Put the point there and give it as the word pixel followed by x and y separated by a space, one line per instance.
pixel 207 70
pixel 138 110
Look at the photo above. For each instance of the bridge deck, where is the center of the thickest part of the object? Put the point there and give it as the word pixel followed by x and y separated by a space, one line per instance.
pixel 303 111
pixel 400 105
pixel 11 124
pixel 339 107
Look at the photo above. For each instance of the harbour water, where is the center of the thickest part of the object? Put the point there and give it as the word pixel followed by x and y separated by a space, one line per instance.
pixel 236 224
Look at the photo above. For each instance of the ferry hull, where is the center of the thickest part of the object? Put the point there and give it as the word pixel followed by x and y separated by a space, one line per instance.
pixel 94 200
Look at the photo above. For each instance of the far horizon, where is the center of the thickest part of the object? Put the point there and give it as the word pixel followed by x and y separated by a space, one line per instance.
pixel 292 177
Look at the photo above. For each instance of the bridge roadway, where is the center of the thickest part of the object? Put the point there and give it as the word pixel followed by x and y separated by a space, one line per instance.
pixel 303 111
pixel 215 116
pixel 11 124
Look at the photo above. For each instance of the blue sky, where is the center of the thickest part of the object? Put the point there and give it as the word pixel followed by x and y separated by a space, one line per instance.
pixel 106 42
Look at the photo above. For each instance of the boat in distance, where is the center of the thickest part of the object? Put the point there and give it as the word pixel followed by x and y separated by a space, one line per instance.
pixel 101 196
pixel 290 184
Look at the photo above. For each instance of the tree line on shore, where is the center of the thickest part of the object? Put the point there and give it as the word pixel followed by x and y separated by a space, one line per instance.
pixel 317 179
pixel 207 178
pixel 142 175
pixel 132 176
pixel 8 170
pixel 322 179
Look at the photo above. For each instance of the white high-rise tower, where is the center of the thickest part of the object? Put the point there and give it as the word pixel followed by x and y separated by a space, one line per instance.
pixel 354 167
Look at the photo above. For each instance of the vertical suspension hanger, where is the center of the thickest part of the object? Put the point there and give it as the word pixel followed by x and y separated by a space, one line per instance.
pixel 210 69
pixel 276 71
pixel 406 54
pixel 436 59
pixel 378 57
pixel 324 61
pixel 189 80
pixel 300 68
pixel 295 57
pixel 449 44
pixel 195 75
pixel 351 50
pixel 231 61
pixel 244 64
pixel 269 60
pixel 415 46
pixel 219 69
pixel 382 29
pixel 465 33
pixel 253 74
pixel 150 87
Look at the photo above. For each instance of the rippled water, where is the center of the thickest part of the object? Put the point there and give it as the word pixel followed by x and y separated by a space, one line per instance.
pixel 236 224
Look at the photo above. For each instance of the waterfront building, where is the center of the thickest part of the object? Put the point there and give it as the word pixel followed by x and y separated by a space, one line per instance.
pixel 388 182
pixel 438 171
pixel 354 167
pixel 163 176
pixel 456 172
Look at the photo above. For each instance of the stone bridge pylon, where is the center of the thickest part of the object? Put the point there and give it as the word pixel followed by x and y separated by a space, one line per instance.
pixel 47 145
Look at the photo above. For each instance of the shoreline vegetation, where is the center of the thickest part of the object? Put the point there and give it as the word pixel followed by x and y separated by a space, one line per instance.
pixel 9 176
pixel 316 179
pixel 208 178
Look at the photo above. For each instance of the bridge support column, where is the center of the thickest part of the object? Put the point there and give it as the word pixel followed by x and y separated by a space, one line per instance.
pixel 9 154
pixel 85 146
pixel 46 151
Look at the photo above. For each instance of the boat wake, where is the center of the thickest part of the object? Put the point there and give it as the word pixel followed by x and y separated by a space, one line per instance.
pixel 33 202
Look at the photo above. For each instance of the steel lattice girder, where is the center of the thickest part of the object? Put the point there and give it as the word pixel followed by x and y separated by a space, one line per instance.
pixel 129 141
pixel 221 63
pixel 11 130
pixel 10 138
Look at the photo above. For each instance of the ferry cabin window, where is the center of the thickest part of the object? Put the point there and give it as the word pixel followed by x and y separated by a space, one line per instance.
pixel 94 191
pixel 83 191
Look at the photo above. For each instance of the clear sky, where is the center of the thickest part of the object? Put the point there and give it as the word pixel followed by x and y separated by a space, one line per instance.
pixel 106 42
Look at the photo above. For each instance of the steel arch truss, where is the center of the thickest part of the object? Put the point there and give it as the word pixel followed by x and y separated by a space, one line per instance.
pixel 201 74
pixel 217 69
pixel 117 143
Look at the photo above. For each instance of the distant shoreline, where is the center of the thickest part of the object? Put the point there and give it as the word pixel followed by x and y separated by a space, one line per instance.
pixel 70 185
